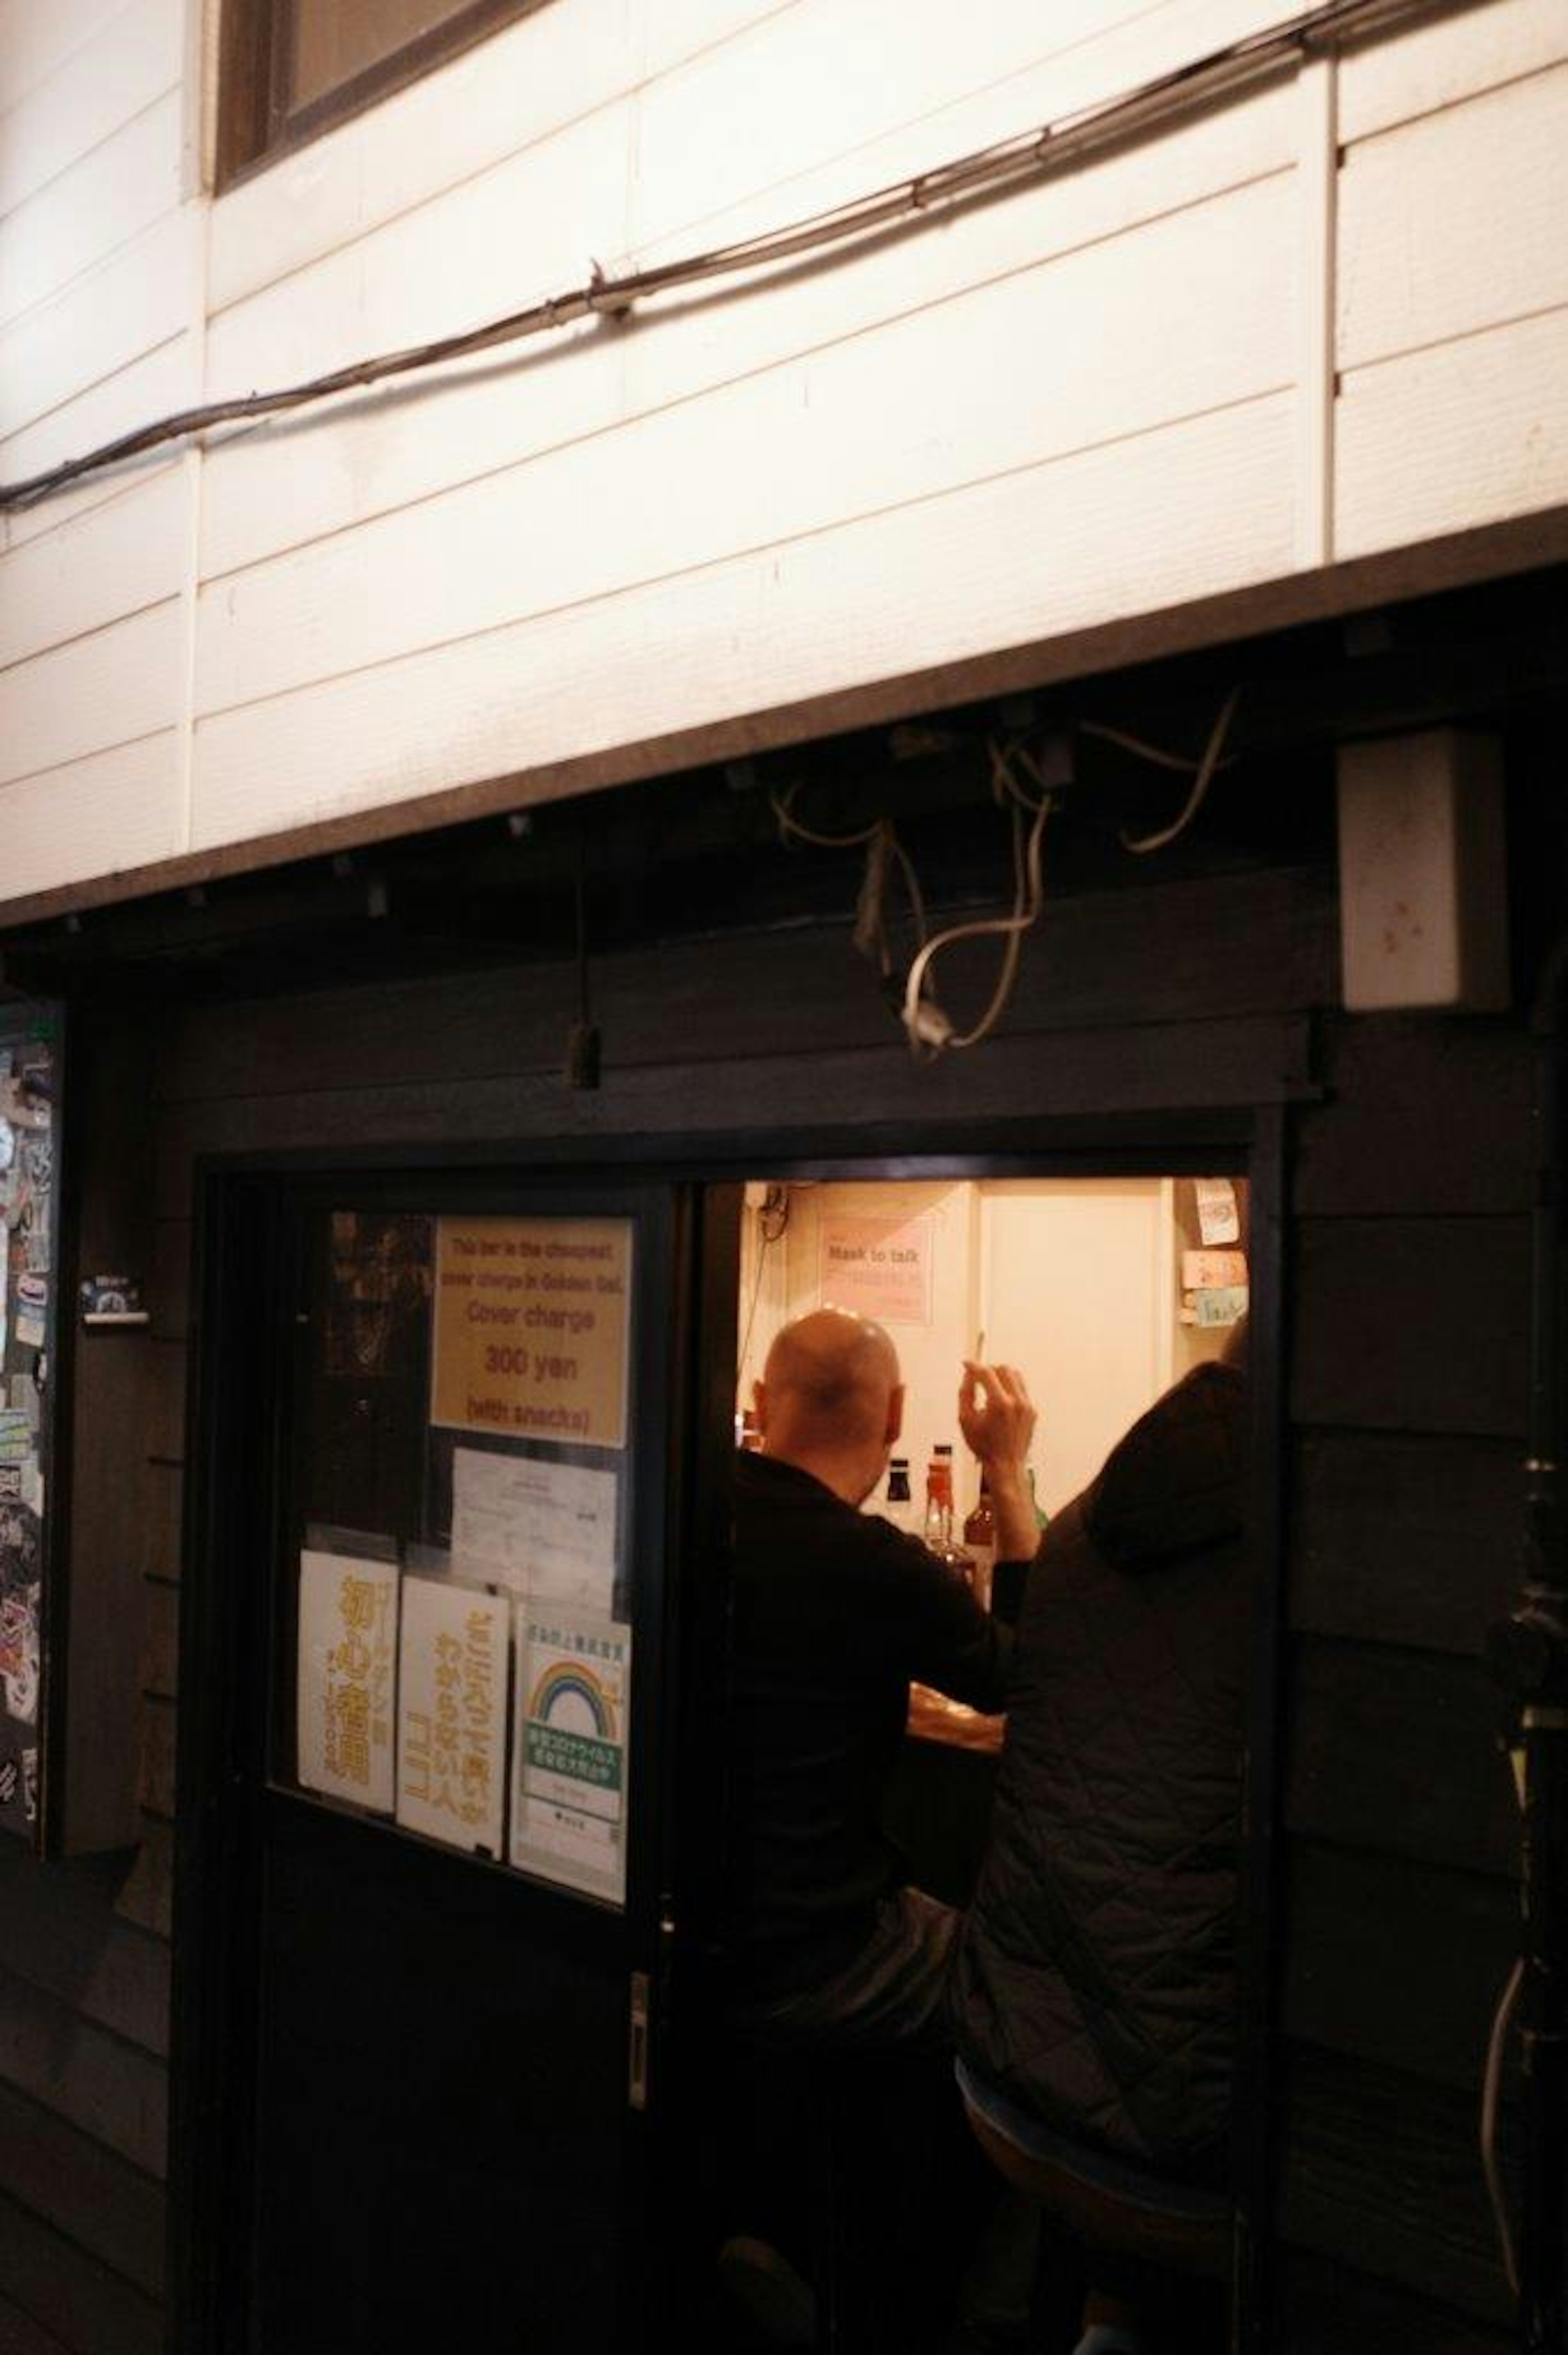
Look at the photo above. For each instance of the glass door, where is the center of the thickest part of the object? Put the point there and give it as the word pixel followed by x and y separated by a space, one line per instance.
pixel 449 1834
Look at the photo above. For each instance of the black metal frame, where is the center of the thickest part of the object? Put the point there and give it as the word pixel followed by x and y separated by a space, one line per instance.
pixel 242 1255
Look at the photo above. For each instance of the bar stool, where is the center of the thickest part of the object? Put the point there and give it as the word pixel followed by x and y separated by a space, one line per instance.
pixel 1146 2238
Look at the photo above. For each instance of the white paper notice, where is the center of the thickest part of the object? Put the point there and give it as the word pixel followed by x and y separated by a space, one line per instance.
pixel 546 1530
pixel 568 1812
pixel 348 1637
pixel 451 1713
pixel 1217 1218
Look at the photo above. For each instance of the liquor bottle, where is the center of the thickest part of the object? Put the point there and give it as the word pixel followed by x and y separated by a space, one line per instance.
pixel 979 1543
pixel 940 1514
pixel 898 1505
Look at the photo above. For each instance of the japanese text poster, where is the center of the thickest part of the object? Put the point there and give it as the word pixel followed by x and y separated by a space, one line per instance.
pixel 451 1713
pixel 347 1654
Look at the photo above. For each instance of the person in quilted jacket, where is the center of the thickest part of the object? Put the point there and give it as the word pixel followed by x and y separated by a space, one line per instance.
pixel 1092 1980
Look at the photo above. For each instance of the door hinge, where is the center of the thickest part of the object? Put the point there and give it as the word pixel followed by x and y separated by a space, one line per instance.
pixel 637 2044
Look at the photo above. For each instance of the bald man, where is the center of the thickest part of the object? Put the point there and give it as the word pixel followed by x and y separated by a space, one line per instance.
pixel 835 1613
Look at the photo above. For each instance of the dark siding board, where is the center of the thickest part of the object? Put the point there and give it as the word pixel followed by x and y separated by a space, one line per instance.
pixel 165 1400
pixel 59 1929
pixel 109 1464
pixel 111 2090
pixel 168 1279
pixel 1422 1116
pixel 1383 2173
pixel 1162 1067
pixel 160 1637
pixel 20 2335
pixel 1324 2309
pixel 163 1486
pixel 1414 1325
pixel 147 1896
pixel 1396 1751
pixel 1104 959
pixel 1404 1541
pixel 90 2309
pixel 158 1781
pixel 73 2183
pixel 1392 1962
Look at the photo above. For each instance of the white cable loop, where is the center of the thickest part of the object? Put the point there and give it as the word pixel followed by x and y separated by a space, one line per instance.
pixel 927 1028
pixel 1194 801
pixel 788 824
pixel 1162 758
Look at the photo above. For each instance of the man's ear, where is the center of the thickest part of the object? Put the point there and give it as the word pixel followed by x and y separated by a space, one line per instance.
pixel 895 1414
pixel 759 1405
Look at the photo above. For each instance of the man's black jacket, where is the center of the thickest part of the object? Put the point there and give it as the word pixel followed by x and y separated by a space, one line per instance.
pixel 835 1612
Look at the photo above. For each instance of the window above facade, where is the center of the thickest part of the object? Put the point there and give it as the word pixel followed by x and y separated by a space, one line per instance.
pixel 291 68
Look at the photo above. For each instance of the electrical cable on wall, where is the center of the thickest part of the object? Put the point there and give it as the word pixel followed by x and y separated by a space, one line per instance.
pixel 1207 768
pixel 928 1028
pixel 935 193
pixel 883 853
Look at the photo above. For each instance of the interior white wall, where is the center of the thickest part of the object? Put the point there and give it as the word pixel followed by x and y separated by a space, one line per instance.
pixel 1072 1281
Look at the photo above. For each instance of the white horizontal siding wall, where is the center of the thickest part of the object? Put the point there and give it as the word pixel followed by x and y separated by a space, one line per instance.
pixel 1327 318
pixel 1453 277
pixel 99 318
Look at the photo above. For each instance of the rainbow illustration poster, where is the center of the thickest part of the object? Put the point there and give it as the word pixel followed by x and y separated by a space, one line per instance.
pixel 569 1794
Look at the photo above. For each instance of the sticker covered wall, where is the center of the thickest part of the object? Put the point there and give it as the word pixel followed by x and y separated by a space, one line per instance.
pixel 30 1074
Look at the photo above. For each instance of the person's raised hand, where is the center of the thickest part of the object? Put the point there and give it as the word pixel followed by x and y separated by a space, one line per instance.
pixel 996 1416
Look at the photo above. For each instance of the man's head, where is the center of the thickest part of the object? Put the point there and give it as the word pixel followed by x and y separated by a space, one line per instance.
pixel 830 1401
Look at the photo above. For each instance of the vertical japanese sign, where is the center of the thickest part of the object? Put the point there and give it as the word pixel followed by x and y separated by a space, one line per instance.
pixel 568 1812
pixel 451 1713
pixel 29 1077
pixel 531 1321
pixel 347 1651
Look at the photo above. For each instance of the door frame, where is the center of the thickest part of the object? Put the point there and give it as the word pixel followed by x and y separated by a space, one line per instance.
pixel 239 1253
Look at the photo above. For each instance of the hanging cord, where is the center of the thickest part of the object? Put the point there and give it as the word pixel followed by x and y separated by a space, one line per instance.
pixel 929 1030
pixel 1490 2091
pixel 1207 768
pixel 884 852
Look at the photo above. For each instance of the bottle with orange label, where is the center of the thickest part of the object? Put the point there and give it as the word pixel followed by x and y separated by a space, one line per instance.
pixel 940 1514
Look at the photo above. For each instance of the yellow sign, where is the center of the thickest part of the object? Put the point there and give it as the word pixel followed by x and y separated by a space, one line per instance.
pixel 531 1329
pixel 451 1713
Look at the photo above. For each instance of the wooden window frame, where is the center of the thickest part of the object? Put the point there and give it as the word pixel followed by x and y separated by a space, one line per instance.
pixel 256 126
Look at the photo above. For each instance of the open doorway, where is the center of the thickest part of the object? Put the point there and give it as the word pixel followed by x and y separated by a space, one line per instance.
pixel 1112 1297
pixel 1102 1291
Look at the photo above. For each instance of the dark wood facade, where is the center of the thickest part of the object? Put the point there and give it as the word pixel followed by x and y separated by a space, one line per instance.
pixel 1152 987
